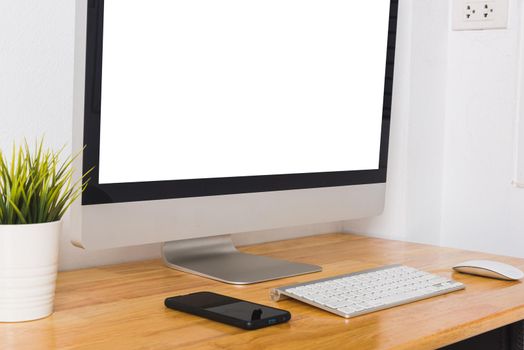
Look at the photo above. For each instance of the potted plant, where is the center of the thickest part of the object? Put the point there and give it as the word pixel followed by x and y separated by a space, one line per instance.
pixel 36 189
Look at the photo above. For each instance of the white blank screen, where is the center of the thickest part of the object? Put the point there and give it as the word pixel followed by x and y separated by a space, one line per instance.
pixel 219 88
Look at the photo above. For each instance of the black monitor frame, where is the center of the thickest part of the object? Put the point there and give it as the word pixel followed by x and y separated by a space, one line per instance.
pixel 97 193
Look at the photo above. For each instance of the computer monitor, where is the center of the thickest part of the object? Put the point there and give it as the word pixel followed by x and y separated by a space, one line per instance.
pixel 205 118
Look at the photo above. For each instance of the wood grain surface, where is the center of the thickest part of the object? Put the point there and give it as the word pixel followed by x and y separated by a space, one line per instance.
pixel 121 306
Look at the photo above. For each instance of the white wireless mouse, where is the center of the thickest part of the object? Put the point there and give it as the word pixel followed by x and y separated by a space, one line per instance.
pixel 489 268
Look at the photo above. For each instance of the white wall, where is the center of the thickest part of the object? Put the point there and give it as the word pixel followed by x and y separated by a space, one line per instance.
pixel 457 138
pixel 413 195
pixel 482 210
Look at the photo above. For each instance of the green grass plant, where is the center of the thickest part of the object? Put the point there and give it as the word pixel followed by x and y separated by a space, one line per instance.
pixel 36 185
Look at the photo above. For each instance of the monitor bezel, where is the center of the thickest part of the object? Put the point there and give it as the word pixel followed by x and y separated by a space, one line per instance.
pixel 97 193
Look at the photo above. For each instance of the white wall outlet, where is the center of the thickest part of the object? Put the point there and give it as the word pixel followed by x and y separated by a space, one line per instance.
pixel 475 14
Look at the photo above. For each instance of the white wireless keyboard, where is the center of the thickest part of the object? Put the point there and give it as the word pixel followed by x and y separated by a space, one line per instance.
pixel 369 290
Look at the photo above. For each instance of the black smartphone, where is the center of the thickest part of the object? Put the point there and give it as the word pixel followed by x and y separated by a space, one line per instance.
pixel 232 311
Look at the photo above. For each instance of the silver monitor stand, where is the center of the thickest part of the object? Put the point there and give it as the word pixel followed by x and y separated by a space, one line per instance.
pixel 217 258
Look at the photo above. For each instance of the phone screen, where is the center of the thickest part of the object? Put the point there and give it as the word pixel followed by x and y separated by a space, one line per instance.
pixel 228 306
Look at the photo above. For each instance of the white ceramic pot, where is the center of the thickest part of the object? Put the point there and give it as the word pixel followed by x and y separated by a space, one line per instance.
pixel 28 266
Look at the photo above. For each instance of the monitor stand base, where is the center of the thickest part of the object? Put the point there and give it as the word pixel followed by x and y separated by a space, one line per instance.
pixel 217 258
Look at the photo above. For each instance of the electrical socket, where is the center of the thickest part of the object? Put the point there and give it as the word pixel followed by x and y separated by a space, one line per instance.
pixel 479 11
pixel 475 14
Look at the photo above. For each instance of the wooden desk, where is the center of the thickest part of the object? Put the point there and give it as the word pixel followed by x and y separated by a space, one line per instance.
pixel 121 306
